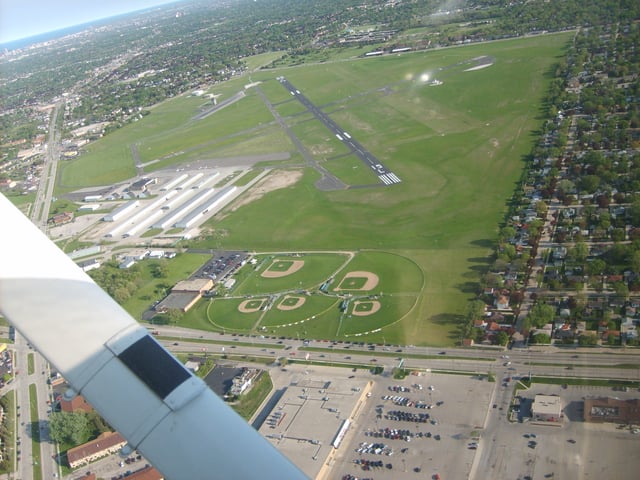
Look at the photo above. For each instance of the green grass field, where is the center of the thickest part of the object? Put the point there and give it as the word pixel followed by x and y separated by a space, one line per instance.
pixel 306 300
pixel 314 305
pixel 458 147
pixel 318 267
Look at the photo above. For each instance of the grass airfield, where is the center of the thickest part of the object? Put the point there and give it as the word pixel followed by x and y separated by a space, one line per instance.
pixel 459 148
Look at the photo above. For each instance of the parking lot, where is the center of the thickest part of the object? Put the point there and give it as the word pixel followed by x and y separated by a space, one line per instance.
pixel 574 449
pixel 222 265
pixel 427 428
pixel 446 426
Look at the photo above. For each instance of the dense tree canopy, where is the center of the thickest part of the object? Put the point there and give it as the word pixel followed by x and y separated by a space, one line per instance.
pixel 541 314
pixel 68 428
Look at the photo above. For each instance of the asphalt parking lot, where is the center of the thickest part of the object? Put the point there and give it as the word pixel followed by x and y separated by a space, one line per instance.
pixel 575 449
pixel 393 439
pixel 397 435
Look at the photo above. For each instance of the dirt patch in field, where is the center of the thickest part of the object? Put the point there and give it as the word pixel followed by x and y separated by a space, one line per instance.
pixel 375 306
pixel 370 283
pixel 295 266
pixel 300 302
pixel 275 180
pixel 244 308
pixel 321 150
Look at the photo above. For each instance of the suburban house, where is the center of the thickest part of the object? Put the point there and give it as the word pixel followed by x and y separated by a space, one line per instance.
pixel 78 403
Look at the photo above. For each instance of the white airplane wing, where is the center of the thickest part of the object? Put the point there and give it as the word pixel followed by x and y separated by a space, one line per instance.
pixel 142 391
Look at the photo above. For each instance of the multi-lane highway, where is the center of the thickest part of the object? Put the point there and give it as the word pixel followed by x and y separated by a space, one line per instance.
pixel 542 361
pixel 385 175
pixel 40 212
pixel 548 361
pixel 31 388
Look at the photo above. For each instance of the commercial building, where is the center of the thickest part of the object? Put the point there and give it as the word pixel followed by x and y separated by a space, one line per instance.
pixel 199 285
pixel 244 381
pixel 184 295
pixel 61 218
pixel 142 185
pixel 607 409
pixel 547 408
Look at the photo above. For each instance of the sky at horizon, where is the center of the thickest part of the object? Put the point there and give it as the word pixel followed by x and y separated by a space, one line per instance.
pixel 25 18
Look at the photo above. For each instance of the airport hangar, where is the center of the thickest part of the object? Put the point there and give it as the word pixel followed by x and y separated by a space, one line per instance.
pixel 182 201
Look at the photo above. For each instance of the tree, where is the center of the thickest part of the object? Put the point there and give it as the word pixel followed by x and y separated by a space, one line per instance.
pixel 634 213
pixel 541 314
pixel 621 289
pixel 159 269
pixel 618 235
pixel 509 251
pixel 175 315
pixel 597 267
pixel 121 295
pixel 68 427
pixel 502 338
pixel 541 208
pixel 478 335
pixel 541 338
pixel 566 187
pixel 587 340
pixel 635 262
pixel 506 233
pixel 534 229
pixel 475 310
pixel 590 183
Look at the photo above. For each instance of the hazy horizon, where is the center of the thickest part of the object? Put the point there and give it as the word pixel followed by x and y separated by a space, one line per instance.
pixel 31 18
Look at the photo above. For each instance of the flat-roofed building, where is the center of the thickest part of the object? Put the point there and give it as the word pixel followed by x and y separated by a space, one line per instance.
pixel 185 294
pixel 200 285
pixel 142 184
pixel 61 218
pixel 547 408
pixel 607 409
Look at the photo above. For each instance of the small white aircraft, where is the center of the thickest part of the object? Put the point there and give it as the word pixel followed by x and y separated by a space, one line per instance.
pixel 141 390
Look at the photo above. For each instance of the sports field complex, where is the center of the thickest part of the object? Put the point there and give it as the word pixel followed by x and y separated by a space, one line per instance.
pixel 318 294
